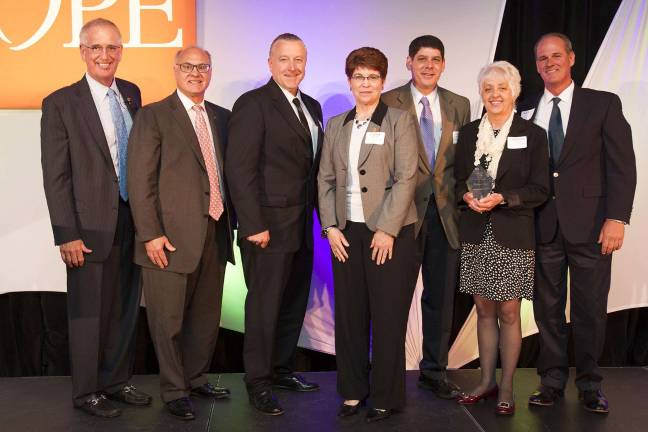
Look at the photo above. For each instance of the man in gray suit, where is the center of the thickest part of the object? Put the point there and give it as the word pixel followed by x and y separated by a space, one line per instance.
pixel 440 114
pixel 84 134
pixel 184 231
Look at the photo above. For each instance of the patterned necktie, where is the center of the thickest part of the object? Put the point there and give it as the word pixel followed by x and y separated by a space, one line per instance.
pixel 556 133
pixel 427 131
pixel 122 129
pixel 206 146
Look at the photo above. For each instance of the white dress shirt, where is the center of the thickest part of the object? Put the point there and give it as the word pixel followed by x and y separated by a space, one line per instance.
pixel 188 105
pixel 546 105
pixel 435 107
pixel 312 126
pixel 102 103
pixel 354 210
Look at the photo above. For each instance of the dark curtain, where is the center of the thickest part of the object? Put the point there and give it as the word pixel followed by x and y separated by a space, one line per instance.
pixel 585 22
pixel 33 327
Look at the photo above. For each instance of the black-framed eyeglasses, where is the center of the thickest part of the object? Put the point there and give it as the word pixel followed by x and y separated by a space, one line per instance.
pixel 359 78
pixel 188 67
pixel 98 49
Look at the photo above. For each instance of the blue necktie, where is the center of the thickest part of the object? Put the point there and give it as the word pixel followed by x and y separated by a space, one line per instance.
pixel 122 128
pixel 556 134
pixel 427 131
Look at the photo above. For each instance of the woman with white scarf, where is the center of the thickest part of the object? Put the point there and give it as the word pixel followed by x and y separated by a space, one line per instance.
pixel 497 231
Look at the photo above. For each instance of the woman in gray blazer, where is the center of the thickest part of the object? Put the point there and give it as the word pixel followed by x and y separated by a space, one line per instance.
pixel 366 180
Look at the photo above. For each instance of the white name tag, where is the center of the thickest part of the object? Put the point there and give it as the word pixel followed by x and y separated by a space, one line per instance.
pixel 526 115
pixel 516 142
pixel 377 138
pixel 455 137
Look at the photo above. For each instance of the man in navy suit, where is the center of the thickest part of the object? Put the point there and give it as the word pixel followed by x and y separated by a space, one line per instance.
pixel 593 179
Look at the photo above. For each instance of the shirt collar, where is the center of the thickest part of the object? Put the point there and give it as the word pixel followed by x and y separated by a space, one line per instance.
pixel 417 95
pixel 565 96
pixel 98 89
pixel 290 96
pixel 188 103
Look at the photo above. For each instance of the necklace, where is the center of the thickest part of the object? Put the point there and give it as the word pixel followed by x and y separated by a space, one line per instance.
pixel 361 123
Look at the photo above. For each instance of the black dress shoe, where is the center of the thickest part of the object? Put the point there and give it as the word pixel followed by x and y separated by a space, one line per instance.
pixel 130 395
pixel 545 396
pixel 295 383
pixel 99 406
pixel 594 401
pixel 181 408
pixel 265 402
pixel 375 414
pixel 349 410
pixel 440 387
pixel 211 391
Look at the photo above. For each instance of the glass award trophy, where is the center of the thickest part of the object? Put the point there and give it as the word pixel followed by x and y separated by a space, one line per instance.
pixel 480 183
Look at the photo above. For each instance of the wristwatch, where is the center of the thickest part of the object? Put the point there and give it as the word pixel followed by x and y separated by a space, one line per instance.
pixel 326 230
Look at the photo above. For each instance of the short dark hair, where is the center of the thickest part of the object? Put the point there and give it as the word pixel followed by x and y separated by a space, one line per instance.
pixel 426 41
pixel 368 57
pixel 286 37
pixel 561 36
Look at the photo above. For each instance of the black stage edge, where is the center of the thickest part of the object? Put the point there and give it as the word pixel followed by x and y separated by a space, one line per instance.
pixel 43 404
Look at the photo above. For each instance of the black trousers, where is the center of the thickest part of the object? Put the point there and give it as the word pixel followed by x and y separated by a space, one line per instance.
pixel 184 312
pixel 372 305
pixel 103 304
pixel 589 277
pixel 439 264
pixel 278 287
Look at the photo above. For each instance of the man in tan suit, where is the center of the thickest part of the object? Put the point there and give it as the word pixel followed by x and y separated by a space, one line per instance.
pixel 440 114
pixel 183 228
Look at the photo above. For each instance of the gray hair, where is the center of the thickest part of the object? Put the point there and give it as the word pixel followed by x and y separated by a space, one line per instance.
pixel 561 36
pixel 97 22
pixel 285 37
pixel 182 51
pixel 506 69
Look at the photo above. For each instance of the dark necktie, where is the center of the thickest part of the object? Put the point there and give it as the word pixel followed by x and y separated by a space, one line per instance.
pixel 300 113
pixel 556 134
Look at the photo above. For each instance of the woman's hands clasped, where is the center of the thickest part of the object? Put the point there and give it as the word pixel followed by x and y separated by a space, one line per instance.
pixel 488 203
pixel 382 245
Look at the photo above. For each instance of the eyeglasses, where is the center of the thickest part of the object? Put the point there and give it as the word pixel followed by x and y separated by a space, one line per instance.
pixel 373 78
pixel 188 67
pixel 98 49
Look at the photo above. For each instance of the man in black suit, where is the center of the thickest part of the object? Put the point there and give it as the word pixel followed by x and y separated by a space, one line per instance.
pixel 84 137
pixel 275 135
pixel 593 179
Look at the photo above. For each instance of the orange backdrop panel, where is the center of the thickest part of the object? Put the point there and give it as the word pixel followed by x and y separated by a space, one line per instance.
pixel 28 75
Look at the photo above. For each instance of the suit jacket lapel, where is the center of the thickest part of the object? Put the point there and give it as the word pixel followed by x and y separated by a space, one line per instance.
pixel 216 128
pixel 91 116
pixel 318 123
pixel 365 149
pixel 505 160
pixel 283 106
pixel 188 133
pixel 128 100
pixel 447 128
pixel 577 117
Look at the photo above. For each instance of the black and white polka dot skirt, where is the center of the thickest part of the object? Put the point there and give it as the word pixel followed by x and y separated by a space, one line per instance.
pixel 495 272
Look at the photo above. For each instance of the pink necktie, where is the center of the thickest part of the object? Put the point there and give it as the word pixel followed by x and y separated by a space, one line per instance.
pixel 207 148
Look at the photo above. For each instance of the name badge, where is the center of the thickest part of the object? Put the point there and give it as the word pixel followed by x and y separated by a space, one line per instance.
pixel 516 142
pixel 455 137
pixel 377 138
pixel 526 115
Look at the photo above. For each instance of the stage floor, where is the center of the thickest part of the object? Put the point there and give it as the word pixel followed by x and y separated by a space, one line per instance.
pixel 43 404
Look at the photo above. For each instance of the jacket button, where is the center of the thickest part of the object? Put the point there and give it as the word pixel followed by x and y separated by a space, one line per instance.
pixel 364 189
pixel 363 172
pixel 556 174
pixel 206 215
pixel 206 192
pixel 553 197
